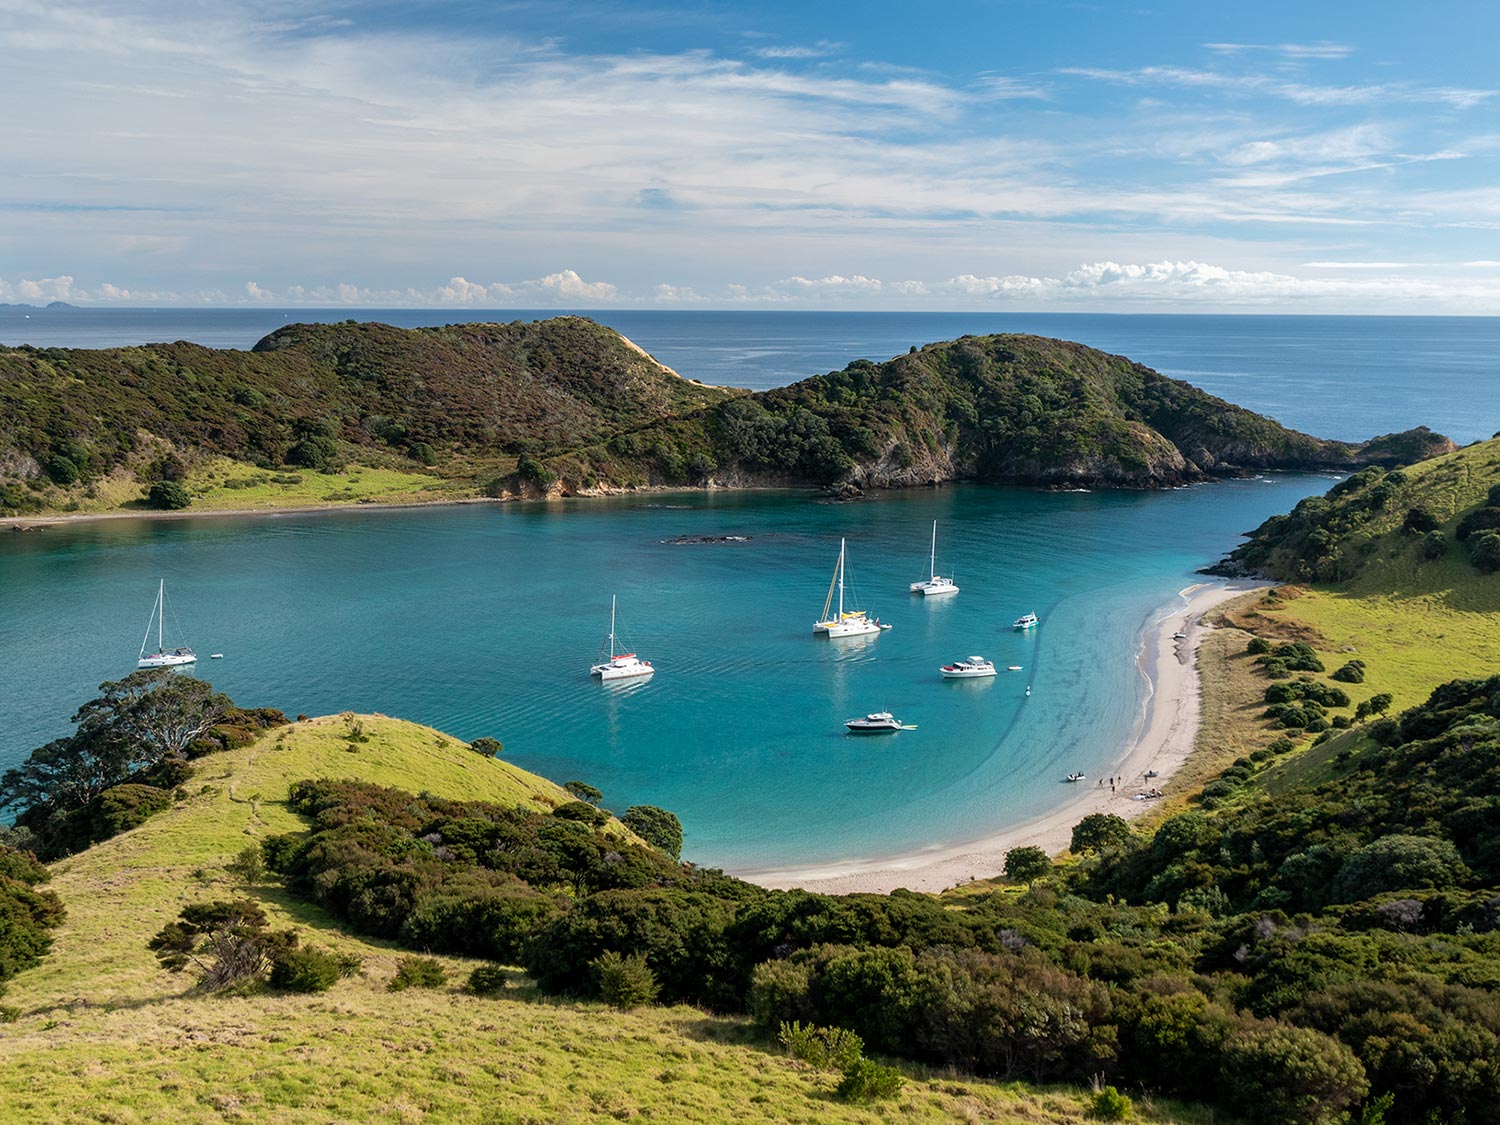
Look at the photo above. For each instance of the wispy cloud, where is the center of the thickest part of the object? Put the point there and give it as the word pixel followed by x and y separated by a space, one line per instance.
pixel 1318 51
pixel 820 50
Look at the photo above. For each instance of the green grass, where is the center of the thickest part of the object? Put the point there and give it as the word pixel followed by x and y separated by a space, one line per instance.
pixel 106 1035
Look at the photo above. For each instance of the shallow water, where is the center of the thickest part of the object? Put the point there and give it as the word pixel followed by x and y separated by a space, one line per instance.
pixel 484 619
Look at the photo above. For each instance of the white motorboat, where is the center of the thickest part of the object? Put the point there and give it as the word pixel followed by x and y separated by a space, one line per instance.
pixel 1012 667
pixel 1025 621
pixel 1074 777
pixel 973 668
pixel 622 665
pixel 934 583
pixel 877 722
pixel 162 657
pixel 853 623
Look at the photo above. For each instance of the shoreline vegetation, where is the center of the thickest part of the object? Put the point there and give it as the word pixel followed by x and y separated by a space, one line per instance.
pixel 354 414
pixel 1164 740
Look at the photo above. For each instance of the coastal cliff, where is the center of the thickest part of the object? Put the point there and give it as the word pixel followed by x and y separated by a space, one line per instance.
pixel 567 406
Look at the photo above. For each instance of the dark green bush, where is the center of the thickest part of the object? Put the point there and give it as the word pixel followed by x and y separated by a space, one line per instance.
pixel 422 453
pixel 309 969
pixel 417 972
pixel 1479 520
pixel 868 1081
pixel 624 982
pixel 315 451
pixel 1281 1075
pixel 1026 864
pixel 1434 546
pixel 1484 549
pixel 1351 673
pixel 489 747
pixel 488 980
pixel 1111 1105
pixel 1419 521
pixel 658 827
pixel 1258 646
pixel 583 812
pixel 826 1048
pixel 168 495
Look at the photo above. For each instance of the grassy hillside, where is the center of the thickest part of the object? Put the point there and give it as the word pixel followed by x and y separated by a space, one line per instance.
pixel 344 413
pixel 104 1034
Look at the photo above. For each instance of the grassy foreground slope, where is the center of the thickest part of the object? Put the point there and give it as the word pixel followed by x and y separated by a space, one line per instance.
pixel 105 1035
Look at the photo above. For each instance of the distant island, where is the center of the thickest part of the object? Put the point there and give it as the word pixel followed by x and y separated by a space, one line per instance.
pixel 48 305
pixel 351 412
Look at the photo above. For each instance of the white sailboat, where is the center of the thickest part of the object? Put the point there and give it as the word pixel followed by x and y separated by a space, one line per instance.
pixel 934 583
pixel 855 622
pixel 619 666
pixel 161 658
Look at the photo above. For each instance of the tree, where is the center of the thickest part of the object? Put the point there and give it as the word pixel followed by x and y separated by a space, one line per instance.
pixel 137 723
pixel 168 495
pixel 1098 831
pixel 489 747
pixel 1484 551
pixel 1281 1075
pixel 226 942
pixel 1027 864
pixel 657 827
pixel 584 791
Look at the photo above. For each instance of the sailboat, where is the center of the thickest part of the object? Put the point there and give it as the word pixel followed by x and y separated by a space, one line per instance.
pixel 934 583
pixel 161 658
pixel 854 623
pixel 623 665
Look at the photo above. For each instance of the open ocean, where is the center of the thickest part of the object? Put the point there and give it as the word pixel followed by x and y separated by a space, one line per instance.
pixel 483 620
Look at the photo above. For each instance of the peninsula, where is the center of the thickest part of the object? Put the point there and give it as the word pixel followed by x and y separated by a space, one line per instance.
pixel 335 414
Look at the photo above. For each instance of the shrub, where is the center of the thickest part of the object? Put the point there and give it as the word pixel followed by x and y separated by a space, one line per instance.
pixel 1098 831
pixel 61 469
pixel 780 991
pixel 657 827
pixel 583 812
pixel 315 451
pixel 1280 1075
pixel 826 1048
pixel 1111 1105
pixel 582 791
pixel 1492 500
pixel 1258 646
pixel 1351 673
pixel 487 980
pixel 422 453
pixel 1419 521
pixel 1026 864
pixel 309 969
pixel 249 864
pixel 528 468
pixel 624 982
pixel 417 972
pixel 168 495
pixel 1479 520
pixel 1484 550
pixel 226 942
pixel 1434 546
pixel 867 1081
pixel 1397 863
pixel 489 747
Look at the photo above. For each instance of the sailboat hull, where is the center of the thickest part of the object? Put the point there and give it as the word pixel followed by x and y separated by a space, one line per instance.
pixel 934 588
pixel 166 660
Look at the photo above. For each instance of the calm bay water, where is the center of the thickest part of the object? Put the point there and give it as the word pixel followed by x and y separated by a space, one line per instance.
pixel 1346 377
pixel 483 620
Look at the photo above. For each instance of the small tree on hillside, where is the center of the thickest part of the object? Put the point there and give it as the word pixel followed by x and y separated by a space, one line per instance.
pixel 226 942
pixel 583 791
pixel 489 747
pixel 1484 551
pixel 1025 865
pixel 657 827
pixel 168 495
pixel 1098 831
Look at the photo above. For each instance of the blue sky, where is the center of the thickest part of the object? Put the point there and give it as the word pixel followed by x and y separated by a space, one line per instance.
pixel 1008 154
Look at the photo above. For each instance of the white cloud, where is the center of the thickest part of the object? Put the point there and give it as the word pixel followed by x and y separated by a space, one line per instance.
pixel 1295 51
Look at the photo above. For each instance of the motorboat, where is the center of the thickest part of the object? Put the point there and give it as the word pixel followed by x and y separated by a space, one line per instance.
pixel 622 665
pixel 842 623
pixel 162 657
pixel 1025 621
pixel 972 668
pixel 934 584
pixel 1012 667
pixel 876 722
pixel 1074 777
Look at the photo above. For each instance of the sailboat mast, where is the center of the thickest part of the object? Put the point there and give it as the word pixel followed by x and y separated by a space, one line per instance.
pixel 932 560
pixel 612 598
pixel 841 581
pixel 161 611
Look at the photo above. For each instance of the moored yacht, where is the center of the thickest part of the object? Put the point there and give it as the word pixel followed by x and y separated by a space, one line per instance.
pixel 1025 621
pixel 623 665
pixel 853 623
pixel 876 722
pixel 975 667
pixel 934 583
pixel 162 658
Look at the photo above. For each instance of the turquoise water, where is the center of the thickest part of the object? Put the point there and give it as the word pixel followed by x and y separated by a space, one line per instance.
pixel 484 619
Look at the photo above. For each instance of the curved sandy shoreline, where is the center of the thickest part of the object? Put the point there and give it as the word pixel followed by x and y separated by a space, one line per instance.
pixel 1163 741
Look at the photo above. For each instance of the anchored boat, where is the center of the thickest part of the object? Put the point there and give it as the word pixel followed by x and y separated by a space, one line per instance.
pixel 855 622
pixel 934 583
pixel 619 666
pixel 162 658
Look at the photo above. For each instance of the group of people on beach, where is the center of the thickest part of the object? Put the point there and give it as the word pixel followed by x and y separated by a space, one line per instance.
pixel 1144 796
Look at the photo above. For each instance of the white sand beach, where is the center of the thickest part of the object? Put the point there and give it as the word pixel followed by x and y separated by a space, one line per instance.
pixel 1163 741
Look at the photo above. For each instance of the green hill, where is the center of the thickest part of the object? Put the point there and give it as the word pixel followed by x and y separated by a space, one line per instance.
pixel 100 1032
pixel 343 413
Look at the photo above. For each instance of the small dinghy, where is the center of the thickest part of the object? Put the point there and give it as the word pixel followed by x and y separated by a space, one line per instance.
pixel 1074 777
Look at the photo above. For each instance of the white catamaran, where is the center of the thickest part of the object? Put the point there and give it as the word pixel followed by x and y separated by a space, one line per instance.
pixel 855 622
pixel 619 666
pixel 934 583
pixel 161 658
